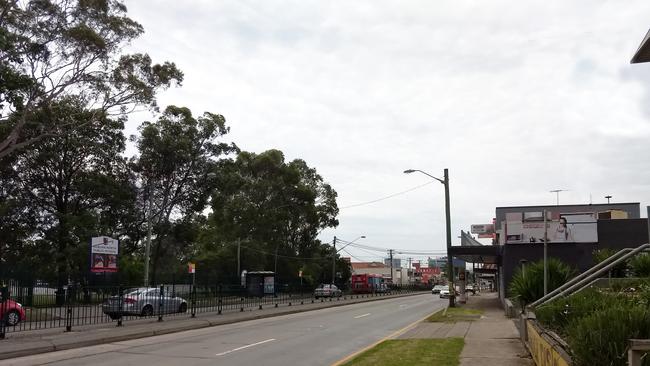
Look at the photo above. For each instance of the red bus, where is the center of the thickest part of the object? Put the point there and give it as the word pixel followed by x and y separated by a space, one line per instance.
pixel 367 283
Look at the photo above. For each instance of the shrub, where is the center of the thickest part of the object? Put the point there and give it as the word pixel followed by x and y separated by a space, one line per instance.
pixel 641 265
pixel 559 314
pixel 600 255
pixel 601 338
pixel 529 286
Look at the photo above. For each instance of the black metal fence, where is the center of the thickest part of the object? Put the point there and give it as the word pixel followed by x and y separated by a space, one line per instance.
pixel 39 306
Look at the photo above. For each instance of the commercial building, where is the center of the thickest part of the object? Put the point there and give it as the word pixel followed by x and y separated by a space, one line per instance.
pixel 573 234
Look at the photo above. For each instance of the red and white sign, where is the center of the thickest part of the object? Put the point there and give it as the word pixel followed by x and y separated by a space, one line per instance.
pixel 191 267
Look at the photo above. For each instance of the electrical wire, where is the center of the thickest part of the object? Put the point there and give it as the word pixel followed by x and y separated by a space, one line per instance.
pixel 387 197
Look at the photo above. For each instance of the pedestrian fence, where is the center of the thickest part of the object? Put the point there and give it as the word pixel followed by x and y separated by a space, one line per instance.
pixel 73 306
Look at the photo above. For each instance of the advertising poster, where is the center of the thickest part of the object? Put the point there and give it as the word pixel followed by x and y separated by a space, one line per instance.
pixel 103 254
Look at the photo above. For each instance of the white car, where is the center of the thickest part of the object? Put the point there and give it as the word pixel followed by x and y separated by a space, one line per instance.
pixel 324 290
pixel 444 293
pixel 437 288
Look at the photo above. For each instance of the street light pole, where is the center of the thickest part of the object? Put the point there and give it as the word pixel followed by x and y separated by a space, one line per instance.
pixel 147 251
pixel 450 263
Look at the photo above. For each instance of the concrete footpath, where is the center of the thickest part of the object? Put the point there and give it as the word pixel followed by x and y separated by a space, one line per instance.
pixel 491 340
pixel 48 340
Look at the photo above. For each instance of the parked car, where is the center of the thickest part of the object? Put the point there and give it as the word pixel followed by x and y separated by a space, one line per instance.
pixel 144 302
pixel 12 312
pixel 470 288
pixel 324 290
pixel 436 289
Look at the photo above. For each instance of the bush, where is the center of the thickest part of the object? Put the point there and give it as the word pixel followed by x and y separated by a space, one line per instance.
pixel 529 286
pixel 561 313
pixel 600 255
pixel 641 265
pixel 601 338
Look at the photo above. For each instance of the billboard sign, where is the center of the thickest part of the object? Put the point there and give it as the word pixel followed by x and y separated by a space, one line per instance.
pixel 563 228
pixel 103 254
pixel 482 229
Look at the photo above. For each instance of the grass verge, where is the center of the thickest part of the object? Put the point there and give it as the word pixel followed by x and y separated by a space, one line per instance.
pixel 397 352
pixel 452 315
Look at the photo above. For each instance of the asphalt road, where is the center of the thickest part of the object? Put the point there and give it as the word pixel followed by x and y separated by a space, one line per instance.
pixel 319 337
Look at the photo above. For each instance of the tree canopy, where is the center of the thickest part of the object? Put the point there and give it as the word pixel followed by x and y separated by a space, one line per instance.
pixel 66 91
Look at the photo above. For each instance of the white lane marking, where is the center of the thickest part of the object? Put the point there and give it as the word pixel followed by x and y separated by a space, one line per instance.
pixel 361 316
pixel 244 347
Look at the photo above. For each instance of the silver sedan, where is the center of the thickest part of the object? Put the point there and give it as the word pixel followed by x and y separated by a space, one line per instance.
pixel 144 302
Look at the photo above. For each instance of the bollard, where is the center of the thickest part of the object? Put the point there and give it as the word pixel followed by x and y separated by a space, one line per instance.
pixel 241 306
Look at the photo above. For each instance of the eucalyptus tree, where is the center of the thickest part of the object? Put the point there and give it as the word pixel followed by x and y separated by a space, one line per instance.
pixel 52 49
pixel 176 166
pixel 276 209
pixel 69 189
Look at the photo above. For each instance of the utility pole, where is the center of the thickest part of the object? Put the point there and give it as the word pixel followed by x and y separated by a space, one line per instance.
pixel 391 265
pixel 409 270
pixel 334 259
pixel 450 262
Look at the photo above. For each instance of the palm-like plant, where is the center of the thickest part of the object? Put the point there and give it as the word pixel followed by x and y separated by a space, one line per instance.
pixel 527 285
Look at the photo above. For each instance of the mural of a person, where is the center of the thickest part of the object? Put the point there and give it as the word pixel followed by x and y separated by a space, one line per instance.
pixel 563 232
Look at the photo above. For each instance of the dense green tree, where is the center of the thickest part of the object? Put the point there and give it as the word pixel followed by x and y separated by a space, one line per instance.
pixel 276 209
pixel 56 48
pixel 177 162
pixel 69 189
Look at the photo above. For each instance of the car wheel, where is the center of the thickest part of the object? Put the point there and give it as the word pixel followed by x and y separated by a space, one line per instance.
pixel 147 310
pixel 12 318
pixel 182 308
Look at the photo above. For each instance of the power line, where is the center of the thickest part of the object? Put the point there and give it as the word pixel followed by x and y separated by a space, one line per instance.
pixel 387 197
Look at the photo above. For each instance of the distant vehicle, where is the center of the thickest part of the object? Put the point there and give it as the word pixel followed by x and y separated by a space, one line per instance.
pixel 143 302
pixel 12 312
pixel 366 283
pixel 436 289
pixel 444 293
pixel 382 288
pixel 324 290
pixel 470 288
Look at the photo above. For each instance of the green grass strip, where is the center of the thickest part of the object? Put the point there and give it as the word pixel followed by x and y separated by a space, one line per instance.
pixel 452 315
pixel 397 352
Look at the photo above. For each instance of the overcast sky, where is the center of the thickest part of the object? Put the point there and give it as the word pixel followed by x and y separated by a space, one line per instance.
pixel 515 98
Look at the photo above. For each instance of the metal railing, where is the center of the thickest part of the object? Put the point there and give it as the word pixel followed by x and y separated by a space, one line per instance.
pixel 586 278
pixel 46 307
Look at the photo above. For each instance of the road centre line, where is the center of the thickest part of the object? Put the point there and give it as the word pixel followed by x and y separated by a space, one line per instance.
pixel 244 347
pixel 361 316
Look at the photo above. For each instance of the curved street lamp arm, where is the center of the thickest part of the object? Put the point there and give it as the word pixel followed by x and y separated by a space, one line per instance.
pixel 409 171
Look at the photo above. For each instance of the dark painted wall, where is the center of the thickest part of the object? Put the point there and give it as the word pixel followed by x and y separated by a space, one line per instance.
pixel 577 255
pixel 619 234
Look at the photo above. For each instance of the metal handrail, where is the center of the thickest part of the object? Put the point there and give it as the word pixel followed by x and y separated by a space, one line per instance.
pixel 590 274
pixel 581 276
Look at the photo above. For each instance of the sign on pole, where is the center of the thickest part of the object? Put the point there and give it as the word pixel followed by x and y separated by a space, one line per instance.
pixel 300 274
pixel 191 267
pixel 103 254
